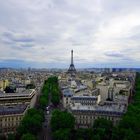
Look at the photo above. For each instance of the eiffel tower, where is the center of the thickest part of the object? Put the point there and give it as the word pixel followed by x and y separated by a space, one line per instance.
pixel 72 69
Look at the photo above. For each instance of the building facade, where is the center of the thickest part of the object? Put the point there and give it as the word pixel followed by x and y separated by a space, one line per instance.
pixel 10 117
pixel 86 115
pixel 13 107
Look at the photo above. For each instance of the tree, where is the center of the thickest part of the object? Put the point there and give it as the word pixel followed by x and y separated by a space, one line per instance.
pixel 55 100
pixel 62 124
pixel 96 137
pixel 10 89
pixel 43 101
pixel 32 122
pixel 54 90
pixel 62 134
pixel 84 133
pixel 28 136
pixel 2 137
pixel 44 98
pixel 62 119
pixel 11 137
pixel 103 128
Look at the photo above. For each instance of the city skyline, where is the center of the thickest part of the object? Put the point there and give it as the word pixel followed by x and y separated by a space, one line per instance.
pixel 41 33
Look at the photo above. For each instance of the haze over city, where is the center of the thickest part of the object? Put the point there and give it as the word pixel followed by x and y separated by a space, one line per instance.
pixel 41 33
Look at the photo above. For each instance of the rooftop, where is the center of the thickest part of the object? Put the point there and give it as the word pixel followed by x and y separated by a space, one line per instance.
pixel 24 93
pixel 67 92
pixel 105 109
pixel 84 97
pixel 8 110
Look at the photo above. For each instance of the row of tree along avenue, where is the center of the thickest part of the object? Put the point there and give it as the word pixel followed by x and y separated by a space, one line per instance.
pixel 50 91
pixel 44 97
pixel 32 122
pixel 62 124
pixel 54 90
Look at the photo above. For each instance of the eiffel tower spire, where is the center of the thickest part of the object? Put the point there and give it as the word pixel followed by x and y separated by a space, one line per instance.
pixel 72 69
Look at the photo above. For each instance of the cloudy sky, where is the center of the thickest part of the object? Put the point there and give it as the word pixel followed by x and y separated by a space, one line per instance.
pixel 41 33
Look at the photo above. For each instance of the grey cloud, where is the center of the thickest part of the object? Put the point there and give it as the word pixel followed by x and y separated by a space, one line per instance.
pixel 114 54
pixel 122 57
pixel 23 39
pixel 54 27
pixel 17 37
pixel 17 40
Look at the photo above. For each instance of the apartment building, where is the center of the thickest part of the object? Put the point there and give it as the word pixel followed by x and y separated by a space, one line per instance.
pixel 24 97
pixel 10 117
pixel 86 115
pixel 13 107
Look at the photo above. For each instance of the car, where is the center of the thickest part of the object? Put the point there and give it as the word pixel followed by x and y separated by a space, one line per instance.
pixel 48 111
pixel 47 108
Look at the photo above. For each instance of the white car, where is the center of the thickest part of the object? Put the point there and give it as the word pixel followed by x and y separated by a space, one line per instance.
pixel 47 108
pixel 48 112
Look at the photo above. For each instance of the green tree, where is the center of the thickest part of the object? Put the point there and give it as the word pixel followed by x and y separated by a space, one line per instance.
pixel 84 133
pixel 62 134
pixel 103 128
pixel 32 122
pixel 2 137
pixel 43 101
pixel 28 136
pixel 11 137
pixel 62 119
pixel 54 90
pixel 10 89
pixel 55 100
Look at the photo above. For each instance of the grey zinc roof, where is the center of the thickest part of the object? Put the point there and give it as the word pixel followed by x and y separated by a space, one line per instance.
pixel 17 109
pixel 67 92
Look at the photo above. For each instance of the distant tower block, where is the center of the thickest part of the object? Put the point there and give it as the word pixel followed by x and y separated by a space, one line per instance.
pixel 72 69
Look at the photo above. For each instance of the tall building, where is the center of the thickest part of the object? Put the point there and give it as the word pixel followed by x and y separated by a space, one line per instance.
pixel 72 69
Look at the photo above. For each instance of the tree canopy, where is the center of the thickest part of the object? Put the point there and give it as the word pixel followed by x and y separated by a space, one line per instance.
pixel 62 124
pixel 32 122
pixel 54 90
pixel 28 136
pixel 62 119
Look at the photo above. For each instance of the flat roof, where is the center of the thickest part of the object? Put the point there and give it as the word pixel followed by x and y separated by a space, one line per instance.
pixel 9 110
pixel 67 92
pixel 84 97
pixel 23 93
pixel 105 109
